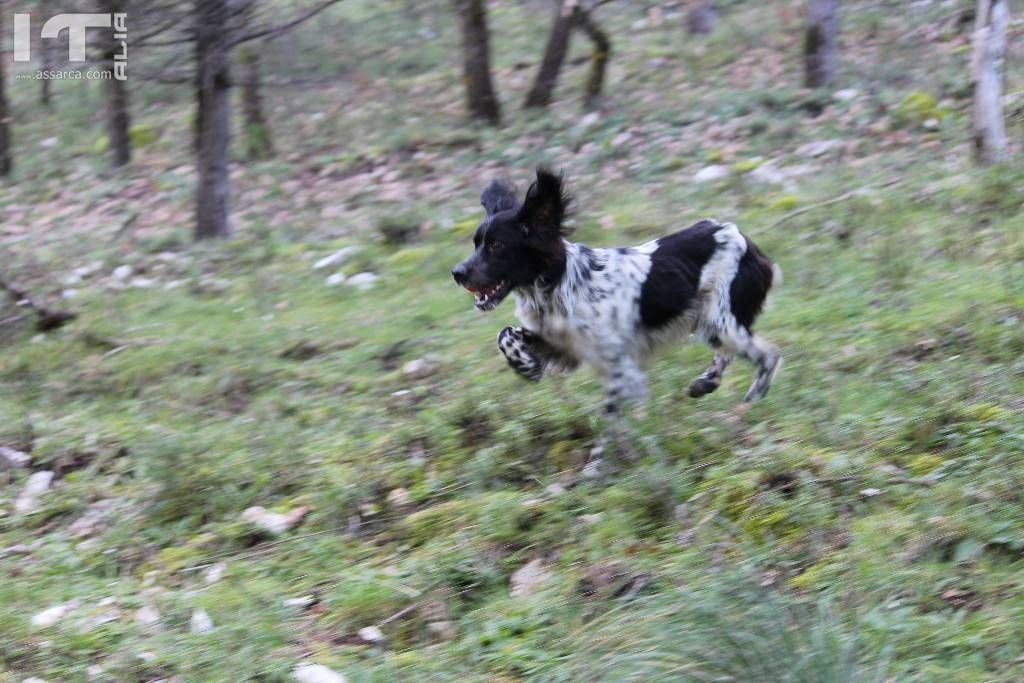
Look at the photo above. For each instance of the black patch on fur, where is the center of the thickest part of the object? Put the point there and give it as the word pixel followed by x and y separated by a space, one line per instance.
pixel 672 282
pixel 750 287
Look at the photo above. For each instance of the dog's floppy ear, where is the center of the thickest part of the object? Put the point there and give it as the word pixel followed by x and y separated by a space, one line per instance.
pixel 499 196
pixel 545 206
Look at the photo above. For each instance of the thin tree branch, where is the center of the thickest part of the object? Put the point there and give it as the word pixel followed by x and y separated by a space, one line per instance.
pixel 47 319
pixel 835 200
pixel 274 31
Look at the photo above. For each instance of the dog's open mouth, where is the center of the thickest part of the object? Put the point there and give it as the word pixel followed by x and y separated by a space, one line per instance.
pixel 487 298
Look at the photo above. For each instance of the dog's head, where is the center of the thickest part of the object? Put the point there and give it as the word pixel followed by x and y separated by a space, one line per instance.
pixel 517 245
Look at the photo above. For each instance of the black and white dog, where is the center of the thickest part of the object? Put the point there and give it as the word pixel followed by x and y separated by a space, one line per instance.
pixel 610 308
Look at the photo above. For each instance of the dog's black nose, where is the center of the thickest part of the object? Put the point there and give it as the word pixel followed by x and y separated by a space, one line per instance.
pixel 459 273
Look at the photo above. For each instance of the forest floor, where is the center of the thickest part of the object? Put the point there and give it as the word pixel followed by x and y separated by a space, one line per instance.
pixel 423 515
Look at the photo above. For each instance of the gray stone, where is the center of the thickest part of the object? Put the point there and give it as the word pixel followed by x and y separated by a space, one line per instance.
pixel 316 673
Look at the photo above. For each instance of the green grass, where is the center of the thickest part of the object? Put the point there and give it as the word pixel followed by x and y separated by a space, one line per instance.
pixel 862 523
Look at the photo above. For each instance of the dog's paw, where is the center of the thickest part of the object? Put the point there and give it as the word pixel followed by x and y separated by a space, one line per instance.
pixel 517 352
pixel 508 337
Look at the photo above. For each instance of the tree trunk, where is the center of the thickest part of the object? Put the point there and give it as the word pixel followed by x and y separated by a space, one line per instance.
pixel 260 142
pixel 45 85
pixel 213 84
pixel 480 97
pixel 986 77
pixel 118 116
pixel 554 55
pixel 700 20
pixel 6 162
pixel 820 42
pixel 598 61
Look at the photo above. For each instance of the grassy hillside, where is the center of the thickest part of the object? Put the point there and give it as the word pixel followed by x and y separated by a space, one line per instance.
pixel 864 522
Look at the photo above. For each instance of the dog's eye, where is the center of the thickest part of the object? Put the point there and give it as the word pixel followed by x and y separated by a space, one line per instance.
pixel 495 246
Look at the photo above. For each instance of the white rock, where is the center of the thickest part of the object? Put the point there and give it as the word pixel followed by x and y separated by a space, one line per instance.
pixel 316 673
pixel 73 279
pixel 336 258
pixel 528 578
pixel 555 489
pixel 363 280
pixel 200 622
pixel 398 497
pixel 335 279
pixel 274 522
pixel 50 616
pixel 122 273
pixel 818 148
pixel 420 368
pixel 214 573
pixel 590 119
pixel 622 138
pixel 845 95
pixel 36 485
pixel 871 493
pixel 104 617
pixel 93 518
pixel 69 293
pixel 147 615
pixel 371 634
pixel 302 603
pixel 797 170
pixel 34 679
pixel 768 174
pixel 10 457
pixel 146 657
pixel 709 173
pixel 94 671
pixel 143 282
pixel 19 549
pixel 49 143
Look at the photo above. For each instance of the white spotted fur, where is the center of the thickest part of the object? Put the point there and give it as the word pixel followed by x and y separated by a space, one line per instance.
pixel 595 320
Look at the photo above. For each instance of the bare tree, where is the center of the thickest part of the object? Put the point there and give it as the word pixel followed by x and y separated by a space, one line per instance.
pixel 598 60
pixel 570 15
pixel 554 54
pixel 219 26
pixel 6 162
pixel 259 140
pixel 986 76
pixel 821 42
pixel 118 116
pixel 700 19
pixel 45 85
pixel 213 85
pixel 480 97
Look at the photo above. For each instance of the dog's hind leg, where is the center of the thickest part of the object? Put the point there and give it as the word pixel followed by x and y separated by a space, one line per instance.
pixel 766 359
pixel 711 378
pixel 730 338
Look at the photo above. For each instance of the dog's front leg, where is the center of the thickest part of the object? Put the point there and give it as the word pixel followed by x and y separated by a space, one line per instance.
pixel 529 355
pixel 515 344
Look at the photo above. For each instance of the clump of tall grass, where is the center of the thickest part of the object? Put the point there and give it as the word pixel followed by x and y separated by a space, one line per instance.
pixel 735 631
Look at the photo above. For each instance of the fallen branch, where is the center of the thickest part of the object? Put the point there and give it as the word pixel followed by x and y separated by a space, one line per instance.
pixel 46 319
pixel 400 613
pixel 835 200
